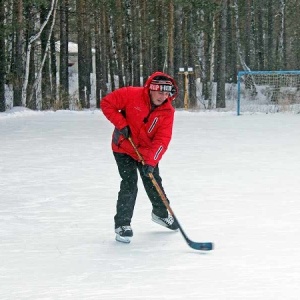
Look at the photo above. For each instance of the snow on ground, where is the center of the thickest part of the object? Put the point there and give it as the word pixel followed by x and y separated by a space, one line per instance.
pixel 231 180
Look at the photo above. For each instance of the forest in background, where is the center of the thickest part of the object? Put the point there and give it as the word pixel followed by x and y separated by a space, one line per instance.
pixel 133 38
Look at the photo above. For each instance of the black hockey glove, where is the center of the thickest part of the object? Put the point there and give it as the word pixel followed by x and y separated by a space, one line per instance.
pixel 125 131
pixel 147 169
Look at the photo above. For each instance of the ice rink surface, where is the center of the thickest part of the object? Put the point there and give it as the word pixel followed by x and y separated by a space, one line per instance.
pixel 231 180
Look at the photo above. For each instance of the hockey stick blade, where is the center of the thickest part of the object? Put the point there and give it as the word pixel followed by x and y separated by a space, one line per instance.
pixel 202 246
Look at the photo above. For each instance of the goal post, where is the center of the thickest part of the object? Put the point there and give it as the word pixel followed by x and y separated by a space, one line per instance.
pixel 268 91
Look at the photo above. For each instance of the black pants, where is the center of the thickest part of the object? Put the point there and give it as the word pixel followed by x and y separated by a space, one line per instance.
pixel 128 190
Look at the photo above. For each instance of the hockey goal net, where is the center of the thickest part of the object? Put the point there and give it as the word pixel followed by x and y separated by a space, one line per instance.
pixel 268 91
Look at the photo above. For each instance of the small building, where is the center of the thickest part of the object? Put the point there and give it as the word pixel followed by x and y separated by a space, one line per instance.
pixel 73 56
pixel 73 71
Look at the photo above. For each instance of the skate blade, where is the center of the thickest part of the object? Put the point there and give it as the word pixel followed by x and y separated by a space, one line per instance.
pixel 123 239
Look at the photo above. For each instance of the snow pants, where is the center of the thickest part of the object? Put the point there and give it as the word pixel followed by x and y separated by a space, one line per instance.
pixel 128 167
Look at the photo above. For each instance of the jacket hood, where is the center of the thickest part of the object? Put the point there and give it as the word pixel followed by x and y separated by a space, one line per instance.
pixel 150 78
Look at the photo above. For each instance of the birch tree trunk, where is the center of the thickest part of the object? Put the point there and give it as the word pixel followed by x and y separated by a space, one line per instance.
pixel 31 11
pixel 46 86
pixel 2 57
pixel 31 40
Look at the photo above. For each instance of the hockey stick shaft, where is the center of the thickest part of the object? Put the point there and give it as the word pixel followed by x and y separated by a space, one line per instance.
pixel 157 187
pixel 195 245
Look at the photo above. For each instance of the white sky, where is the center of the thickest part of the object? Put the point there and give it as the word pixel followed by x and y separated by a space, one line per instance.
pixel 231 180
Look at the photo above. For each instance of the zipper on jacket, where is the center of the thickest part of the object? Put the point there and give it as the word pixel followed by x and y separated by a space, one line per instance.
pixel 146 119
pixel 153 107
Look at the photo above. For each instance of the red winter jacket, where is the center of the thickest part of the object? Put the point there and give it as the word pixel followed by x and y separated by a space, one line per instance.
pixel 151 131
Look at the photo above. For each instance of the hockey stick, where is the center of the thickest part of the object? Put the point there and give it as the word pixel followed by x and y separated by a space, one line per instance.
pixel 204 246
